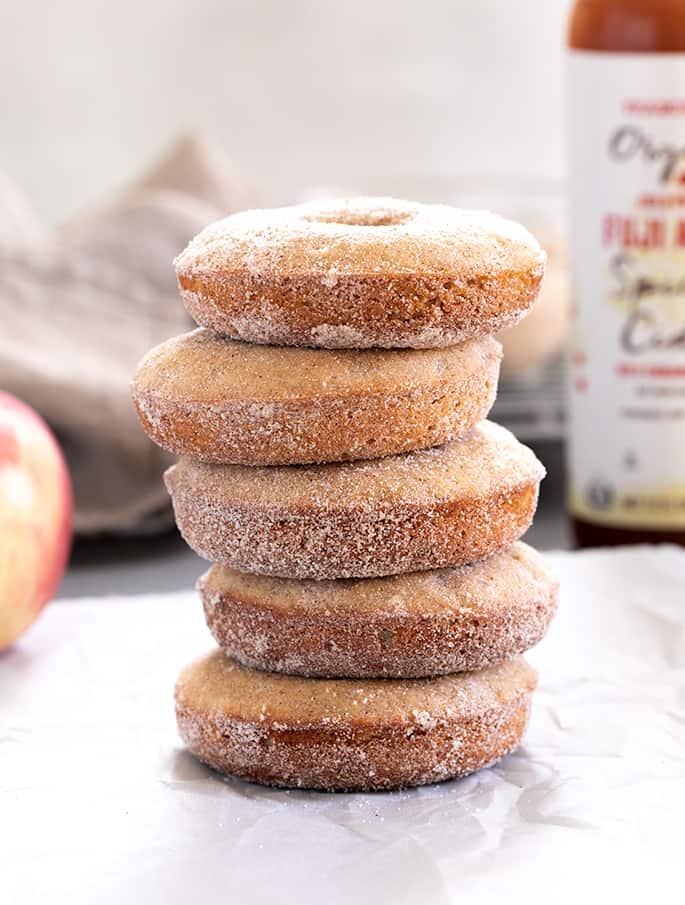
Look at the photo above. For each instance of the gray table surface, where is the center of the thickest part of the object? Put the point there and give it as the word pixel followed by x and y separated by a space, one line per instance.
pixel 139 565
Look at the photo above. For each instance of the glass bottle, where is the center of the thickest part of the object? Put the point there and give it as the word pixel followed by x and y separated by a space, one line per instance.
pixel 626 392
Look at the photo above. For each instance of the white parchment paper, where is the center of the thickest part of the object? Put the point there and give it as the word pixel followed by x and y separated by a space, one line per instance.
pixel 99 803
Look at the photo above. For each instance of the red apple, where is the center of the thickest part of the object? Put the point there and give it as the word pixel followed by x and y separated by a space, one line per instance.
pixel 35 517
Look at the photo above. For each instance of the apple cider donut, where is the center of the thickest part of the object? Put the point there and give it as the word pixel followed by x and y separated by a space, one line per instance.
pixel 404 626
pixel 437 507
pixel 347 734
pixel 218 400
pixel 359 273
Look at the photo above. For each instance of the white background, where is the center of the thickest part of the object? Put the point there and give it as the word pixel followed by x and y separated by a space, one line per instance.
pixel 374 95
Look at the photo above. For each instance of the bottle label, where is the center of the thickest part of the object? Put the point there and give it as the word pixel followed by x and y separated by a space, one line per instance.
pixel 626 431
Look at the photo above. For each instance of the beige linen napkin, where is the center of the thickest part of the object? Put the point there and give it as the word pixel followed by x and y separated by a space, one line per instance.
pixel 78 309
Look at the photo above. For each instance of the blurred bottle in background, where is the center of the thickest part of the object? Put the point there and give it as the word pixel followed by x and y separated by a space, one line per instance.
pixel 626 393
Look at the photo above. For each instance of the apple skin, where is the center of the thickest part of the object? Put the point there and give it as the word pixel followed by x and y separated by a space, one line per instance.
pixel 36 508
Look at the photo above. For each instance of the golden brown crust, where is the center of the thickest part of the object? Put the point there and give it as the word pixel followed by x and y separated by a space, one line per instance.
pixel 360 273
pixel 222 401
pixel 423 510
pixel 355 544
pixel 421 624
pixel 340 734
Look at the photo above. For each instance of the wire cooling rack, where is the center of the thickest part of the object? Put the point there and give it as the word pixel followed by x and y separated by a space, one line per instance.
pixel 533 408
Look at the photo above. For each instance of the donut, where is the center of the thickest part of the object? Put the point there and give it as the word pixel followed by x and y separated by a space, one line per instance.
pixel 535 341
pixel 405 626
pixel 218 400
pixel 360 273
pixel 437 507
pixel 343 734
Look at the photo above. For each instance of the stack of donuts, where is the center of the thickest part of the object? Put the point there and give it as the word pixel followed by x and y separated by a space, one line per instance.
pixel 370 597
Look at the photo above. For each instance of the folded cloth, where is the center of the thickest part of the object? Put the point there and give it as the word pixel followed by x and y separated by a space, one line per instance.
pixel 80 307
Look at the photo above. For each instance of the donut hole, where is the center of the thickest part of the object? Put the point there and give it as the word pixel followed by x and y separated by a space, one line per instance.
pixel 378 217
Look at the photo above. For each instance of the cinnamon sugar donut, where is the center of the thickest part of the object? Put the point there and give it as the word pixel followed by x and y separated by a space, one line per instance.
pixel 437 507
pixel 350 735
pixel 218 400
pixel 405 626
pixel 360 273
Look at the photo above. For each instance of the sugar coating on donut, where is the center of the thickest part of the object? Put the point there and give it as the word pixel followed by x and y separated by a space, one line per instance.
pixel 217 682
pixel 204 367
pixel 361 236
pixel 342 733
pixel 420 624
pixel 224 401
pixel 427 509
pixel 257 320
pixel 489 459
pixel 361 272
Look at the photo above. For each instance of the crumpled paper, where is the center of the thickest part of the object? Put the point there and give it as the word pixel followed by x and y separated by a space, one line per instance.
pixel 99 802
